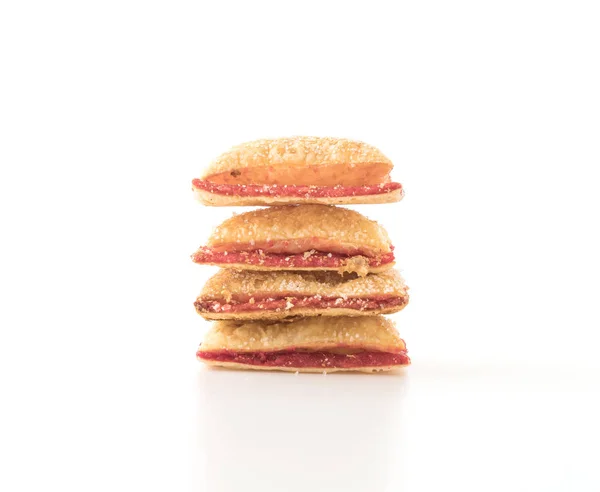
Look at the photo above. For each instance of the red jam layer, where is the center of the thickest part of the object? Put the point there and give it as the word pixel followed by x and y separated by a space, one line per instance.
pixel 317 259
pixel 320 359
pixel 294 191
pixel 290 302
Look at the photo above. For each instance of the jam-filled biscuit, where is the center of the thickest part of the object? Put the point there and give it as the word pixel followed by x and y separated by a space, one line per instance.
pixel 244 295
pixel 313 344
pixel 298 170
pixel 299 237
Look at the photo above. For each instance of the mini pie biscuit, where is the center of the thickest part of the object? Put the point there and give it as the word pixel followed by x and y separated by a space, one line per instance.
pixel 298 170
pixel 299 237
pixel 246 294
pixel 306 345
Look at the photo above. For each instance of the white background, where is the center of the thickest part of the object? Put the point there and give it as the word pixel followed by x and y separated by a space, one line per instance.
pixel 490 112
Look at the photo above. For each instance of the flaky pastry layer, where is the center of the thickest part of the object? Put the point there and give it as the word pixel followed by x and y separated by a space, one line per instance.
pixel 318 227
pixel 234 365
pixel 295 311
pixel 265 268
pixel 218 200
pixel 231 284
pixel 369 333
pixel 302 153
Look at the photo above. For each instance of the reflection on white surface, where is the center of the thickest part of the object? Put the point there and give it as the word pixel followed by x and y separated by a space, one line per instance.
pixel 438 426
pixel 281 431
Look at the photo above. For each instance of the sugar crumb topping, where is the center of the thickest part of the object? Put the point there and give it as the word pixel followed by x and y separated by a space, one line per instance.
pixel 308 221
pixel 371 332
pixel 315 283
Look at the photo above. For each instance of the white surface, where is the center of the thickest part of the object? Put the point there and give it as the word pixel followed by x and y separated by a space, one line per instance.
pixel 459 427
pixel 489 111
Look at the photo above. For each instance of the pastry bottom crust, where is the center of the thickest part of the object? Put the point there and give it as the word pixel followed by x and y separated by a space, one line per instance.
pixel 270 315
pixel 248 266
pixel 237 365
pixel 216 200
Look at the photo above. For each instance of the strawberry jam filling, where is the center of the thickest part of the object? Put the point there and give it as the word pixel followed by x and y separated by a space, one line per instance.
pixel 316 259
pixel 282 303
pixel 294 190
pixel 301 359
pixel 298 245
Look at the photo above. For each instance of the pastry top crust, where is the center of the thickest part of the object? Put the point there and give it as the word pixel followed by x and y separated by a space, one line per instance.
pixel 296 151
pixel 227 283
pixel 308 221
pixel 316 333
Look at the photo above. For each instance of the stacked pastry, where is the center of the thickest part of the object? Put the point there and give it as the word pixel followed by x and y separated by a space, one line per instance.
pixel 303 283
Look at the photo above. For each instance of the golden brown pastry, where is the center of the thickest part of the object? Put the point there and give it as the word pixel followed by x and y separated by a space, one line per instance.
pixel 247 294
pixel 299 237
pixel 298 170
pixel 306 345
